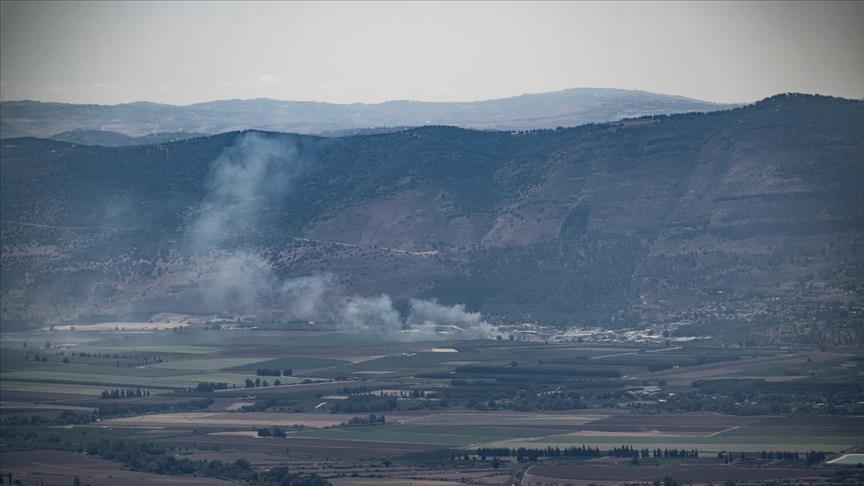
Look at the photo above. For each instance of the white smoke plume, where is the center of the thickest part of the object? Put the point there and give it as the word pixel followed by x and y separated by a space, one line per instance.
pixel 239 281
pixel 430 316
pixel 254 173
pixel 427 320
pixel 251 176
pixel 372 314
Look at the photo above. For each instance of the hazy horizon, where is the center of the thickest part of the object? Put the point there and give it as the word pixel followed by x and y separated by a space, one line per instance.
pixel 372 52
pixel 395 100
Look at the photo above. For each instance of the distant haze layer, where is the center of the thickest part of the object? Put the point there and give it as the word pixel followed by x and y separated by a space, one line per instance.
pixel 571 107
pixel 188 52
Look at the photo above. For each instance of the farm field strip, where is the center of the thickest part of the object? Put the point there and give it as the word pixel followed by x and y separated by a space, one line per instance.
pixel 59 467
pixel 206 364
pixel 107 366
pixel 29 387
pixel 414 423
pixel 158 348
pixel 617 473
pixel 232 419
pixel 296 362
pixel 738 369
pixel 505 418
pixel 106 379
pixel 7 406
pixel 120 326
pixel 297 445
pixel 391 482
pixel 709 432
pixel 704 444
pixel 456 436
pixel 851 459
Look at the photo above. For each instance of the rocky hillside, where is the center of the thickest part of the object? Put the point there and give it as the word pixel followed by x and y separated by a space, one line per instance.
pixel 752 215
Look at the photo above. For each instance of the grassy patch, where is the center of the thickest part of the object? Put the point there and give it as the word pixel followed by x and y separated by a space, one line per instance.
pixel 161 348
pixel 178 381
pixel 717 443
pixel 462 435
pixel 290 362
pixel 213 364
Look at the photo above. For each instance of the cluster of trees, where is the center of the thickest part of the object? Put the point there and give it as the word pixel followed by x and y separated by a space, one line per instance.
pixel 145 359
pixel 532 454
pixel 271 432
pixel 154 458
pixel 811 457
pixel 404 394
pixel 543 369
pixel 148 457
pixel 527 392
pixel 272 372
pixel 113 409
pixel 760 397
pixel 814 457
pixel 116 409
pixel 124 393
pixel 674 453
pixel 130 360
pixel 355 390
pixel 250 383
pixel 363 391
pixel 261 405
pixel 659 366
pixel 364 404
pixel 372 419
pixel 37 357
pixel 67 417
pixel 209 386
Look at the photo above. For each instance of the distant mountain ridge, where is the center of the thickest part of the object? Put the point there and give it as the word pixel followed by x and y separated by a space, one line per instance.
pixel 752 216
pixel 108 138
pixel 570 107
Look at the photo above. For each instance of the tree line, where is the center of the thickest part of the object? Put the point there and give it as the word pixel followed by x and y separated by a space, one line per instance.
pixel 532 454
pixel 274 372
pixel 124 393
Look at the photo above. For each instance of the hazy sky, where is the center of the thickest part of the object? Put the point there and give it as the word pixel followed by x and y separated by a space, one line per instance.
pixel 182 53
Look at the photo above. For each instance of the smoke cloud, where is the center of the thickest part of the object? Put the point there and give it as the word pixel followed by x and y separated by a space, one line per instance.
pixel 430 316
pixel 372 314
pixel 251 177
pixel 427 319
pixel 243 282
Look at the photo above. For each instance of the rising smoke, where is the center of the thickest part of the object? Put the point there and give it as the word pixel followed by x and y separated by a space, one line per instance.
pixel 254 174
pixel 429 316
pixel 245 181
pixel 426 319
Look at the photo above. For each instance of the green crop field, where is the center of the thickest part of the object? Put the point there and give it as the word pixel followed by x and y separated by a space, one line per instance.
pixel 717 443
pixel 107 379
pixel 213 364
pixel 162 348
pixel 27 386
pixel 291 362
pixel 457 437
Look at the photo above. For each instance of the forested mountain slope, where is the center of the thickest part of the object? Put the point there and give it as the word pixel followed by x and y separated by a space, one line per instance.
pixel 753 215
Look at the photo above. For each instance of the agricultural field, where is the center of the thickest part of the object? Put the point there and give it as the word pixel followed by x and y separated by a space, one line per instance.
pixel 710 433
pixel 358 411
pixel 60 467
pixel 618 473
